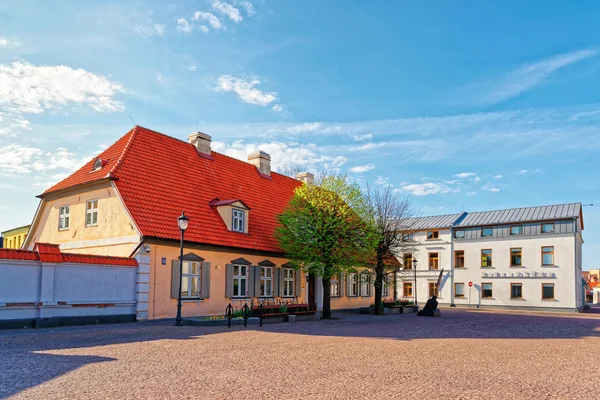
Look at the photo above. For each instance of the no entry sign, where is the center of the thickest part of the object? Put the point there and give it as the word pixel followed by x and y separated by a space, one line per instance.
pixel 470 283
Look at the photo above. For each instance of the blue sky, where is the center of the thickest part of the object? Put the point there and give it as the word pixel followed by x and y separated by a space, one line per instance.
pixel 473 104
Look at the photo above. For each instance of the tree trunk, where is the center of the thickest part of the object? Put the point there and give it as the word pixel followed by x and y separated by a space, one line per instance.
pixel 379 272
pixel 326 313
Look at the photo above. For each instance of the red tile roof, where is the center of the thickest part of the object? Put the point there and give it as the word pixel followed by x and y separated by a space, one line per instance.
pixel 46 252
pixel 159 176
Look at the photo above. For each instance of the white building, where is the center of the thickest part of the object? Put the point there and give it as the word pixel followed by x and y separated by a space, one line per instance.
pixel 517 258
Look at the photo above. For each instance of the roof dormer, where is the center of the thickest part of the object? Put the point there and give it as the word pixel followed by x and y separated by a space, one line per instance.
pixel 234 214
pixel 98 164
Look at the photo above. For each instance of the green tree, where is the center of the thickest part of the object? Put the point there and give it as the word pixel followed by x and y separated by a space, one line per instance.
pixel 325 230
pixel 392 215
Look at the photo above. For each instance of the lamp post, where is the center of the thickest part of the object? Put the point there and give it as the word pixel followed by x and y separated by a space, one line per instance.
pixel 182 221
pixel 415 271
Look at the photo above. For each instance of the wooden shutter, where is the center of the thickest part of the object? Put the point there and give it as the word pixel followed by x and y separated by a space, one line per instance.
pixel 298 283
pixel 359 279
pixel 175 279
pixel 229 280
pixel 348 285
pixel 341 284
pixel 251 282
pixel 256 281
pixel 277 277
pixel 281 282
pixel 205 293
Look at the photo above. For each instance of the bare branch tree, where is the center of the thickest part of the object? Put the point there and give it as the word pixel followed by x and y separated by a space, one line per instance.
pixel 291 170
pixel 392 215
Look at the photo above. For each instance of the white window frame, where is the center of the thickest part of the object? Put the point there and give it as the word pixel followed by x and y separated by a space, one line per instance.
pixel 266 282
pixel 334 283
pixel 64 217
pixel 353 289
pixel 239 277
pixel 188 277
pixel 462 285
pixel 91 212
pixel 289 276
pixel 385 289
pixel 237 220
pixel 365 285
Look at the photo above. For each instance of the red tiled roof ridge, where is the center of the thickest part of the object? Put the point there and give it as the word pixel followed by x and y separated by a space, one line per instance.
pixel 124 152
pixel 59 257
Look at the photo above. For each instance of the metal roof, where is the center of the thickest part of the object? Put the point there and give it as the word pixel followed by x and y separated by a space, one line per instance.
pixel 541 213
pixel 436 221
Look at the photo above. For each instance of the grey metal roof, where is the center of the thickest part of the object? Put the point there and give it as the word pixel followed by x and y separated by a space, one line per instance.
pixel 541 213
pixel 436 221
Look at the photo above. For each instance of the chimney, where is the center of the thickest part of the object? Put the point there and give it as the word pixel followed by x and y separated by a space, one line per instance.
pixel 201 141
pixel 306 177
pixel 261 160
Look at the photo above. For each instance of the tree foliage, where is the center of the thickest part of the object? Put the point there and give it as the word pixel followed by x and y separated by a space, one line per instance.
pixel 326 229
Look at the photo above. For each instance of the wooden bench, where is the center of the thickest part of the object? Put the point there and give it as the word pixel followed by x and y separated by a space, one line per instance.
pixel 268 310
pixel 296 309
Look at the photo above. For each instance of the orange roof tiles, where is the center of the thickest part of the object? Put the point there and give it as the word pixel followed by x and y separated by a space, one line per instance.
pixel 159 176
pixel 46 252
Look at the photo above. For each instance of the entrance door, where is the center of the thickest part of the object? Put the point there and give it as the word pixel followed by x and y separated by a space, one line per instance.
pixel 311 289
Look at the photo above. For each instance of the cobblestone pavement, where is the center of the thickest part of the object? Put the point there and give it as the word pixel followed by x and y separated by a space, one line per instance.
pixel 464 354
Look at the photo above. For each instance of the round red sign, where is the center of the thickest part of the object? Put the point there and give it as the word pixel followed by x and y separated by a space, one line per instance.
pixel 470 284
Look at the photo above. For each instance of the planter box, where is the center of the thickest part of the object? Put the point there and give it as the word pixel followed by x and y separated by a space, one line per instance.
pixel 410 309
pixel 394 310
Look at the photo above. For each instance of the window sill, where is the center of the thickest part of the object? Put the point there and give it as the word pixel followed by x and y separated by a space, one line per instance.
pixel 488 267
pixel 459 297
pixel 192 300
pixel 91 226
pixel 240 298
pixel 516 266
pixel 488 298
pixel 517 299
pixel 548 266
pixel 63 230
pixel 549 300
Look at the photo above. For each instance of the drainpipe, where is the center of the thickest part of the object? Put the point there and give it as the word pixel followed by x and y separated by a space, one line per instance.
pixel 452 267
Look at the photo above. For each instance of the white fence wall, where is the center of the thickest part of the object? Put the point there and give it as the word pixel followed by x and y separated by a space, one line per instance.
pixel 32 289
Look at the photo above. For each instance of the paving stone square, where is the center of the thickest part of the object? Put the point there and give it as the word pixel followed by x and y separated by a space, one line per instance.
pixel 466 354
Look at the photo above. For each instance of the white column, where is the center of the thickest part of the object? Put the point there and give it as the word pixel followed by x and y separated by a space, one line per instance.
pixel 142 285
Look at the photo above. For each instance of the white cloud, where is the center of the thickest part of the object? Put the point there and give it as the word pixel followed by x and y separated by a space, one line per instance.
pixel 531 75
pixel 191 68
pixel 246 90
pixel 464 175
pixel 307 127
pixel 538 171
pixel 450 182
pixel 227 9
pixel 28 88
pixel 277 107
pixel 362 138
pixel 203 28
pixel 246 5
pixel 362 168
pixel 498 177
pixel 147 31
pixel 367 146
pixel 471 193
pixel 494 189
pixel 210 18
pixel 522 172
pixel 490 188
pixel 427 188
pixel 3 42
pixel 282 154
pixel 383 181
pixel 16 159
pixel 476 179
pixel 11 123
pixel 184 26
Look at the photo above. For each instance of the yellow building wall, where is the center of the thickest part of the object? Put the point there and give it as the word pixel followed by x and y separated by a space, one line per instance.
pixel 114 234
pixel 14 241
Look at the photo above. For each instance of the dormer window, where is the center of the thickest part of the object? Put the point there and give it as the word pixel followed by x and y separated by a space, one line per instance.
pixel 98 164
pixel 237 220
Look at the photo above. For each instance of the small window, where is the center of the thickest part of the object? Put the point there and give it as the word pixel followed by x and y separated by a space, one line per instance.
pixel 434 261
pixel 486 290
pixel 365 284
pixel 288 282
pixel 191 279
pixel 240 280
pixel 516 291
pixel 515 257
pixel 548 228
pixel 407 237
pixel 352 286
pixel 91 213
pixel 431 235
pixel 266 281
pixel 459 289
pixel 63 218
pixel 237 222
pixel 459 259
pixel 460 234
pixel 487 232
pixel 335 286
pixel 548 256
pixel 516 230
pixel 407 289
pixel 547 291
pixel 408 261
pixel 486 258
pixel 98 164
pixel 432 289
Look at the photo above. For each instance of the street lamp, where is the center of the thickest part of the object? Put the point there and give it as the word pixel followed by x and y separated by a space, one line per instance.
pixel 182 221
pixel 415 271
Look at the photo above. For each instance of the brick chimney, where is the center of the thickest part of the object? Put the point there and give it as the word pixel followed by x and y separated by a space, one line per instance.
pixel 306 177
pixel 261 160
pixel 201 141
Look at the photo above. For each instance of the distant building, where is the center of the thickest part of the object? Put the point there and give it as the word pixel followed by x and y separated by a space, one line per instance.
pixel 518 258
pixel 14 238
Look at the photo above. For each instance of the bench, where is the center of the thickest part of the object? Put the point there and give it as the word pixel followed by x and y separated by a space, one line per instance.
pixel 297 309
